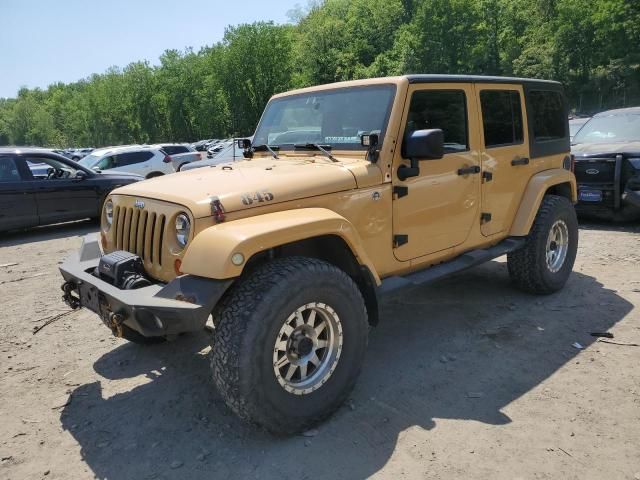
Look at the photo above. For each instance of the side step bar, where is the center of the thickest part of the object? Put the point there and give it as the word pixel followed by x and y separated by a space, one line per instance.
pixel 464 261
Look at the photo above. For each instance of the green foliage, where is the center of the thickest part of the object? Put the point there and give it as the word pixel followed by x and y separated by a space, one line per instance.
pixel 593 47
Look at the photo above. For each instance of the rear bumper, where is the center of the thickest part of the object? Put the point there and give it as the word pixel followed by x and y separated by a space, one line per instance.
pixel 181 305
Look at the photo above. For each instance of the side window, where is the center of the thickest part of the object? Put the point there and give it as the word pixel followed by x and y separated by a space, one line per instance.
pixel 9 170
pixel 132 158
pixel 501 117
pixel 547 112
pixel 174 149
pixel 43 168
pixel 107 162
pixel 443 109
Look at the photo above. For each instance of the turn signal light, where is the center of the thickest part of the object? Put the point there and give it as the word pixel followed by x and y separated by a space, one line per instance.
pixel 177 265
pixel 217 210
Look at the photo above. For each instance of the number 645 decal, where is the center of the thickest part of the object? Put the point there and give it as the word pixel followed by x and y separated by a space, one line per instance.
pixel 263 196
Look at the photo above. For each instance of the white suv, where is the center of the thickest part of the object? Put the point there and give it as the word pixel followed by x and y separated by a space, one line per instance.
pixel 148 161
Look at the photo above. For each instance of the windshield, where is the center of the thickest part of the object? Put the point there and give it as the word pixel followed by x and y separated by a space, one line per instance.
pixel 332 117
pixel 612 128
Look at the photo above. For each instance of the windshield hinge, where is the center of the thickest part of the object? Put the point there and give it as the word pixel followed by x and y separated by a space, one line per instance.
pixel 399 240
pixel 400 192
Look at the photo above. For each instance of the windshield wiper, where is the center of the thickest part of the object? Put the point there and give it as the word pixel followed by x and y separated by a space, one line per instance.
pixel 263 147
pixel 316 146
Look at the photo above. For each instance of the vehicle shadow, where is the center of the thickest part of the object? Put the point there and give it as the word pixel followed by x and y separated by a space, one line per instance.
pixel 463 348
pixel 48 232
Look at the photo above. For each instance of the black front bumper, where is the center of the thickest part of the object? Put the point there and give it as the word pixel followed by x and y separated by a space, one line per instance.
pixel 182 305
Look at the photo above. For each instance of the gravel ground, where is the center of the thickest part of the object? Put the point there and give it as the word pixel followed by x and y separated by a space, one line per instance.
pixel 466 378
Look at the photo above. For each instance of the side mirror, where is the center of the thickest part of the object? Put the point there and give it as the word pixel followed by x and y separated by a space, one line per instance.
pixel 81 175
pixel 421 145
pixel 425 145
pixel 244 143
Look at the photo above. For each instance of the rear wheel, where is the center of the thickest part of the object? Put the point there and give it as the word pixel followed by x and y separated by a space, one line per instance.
pixel 545 262
pixel 289 343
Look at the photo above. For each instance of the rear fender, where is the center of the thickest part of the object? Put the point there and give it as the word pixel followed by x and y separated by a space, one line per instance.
pixel 558 179
pixel 209 254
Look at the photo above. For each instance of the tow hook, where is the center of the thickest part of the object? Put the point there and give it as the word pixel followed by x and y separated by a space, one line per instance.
pixel 69 297
pixel 115 324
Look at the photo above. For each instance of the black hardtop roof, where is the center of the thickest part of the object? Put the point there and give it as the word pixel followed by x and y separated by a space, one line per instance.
pixel 433 78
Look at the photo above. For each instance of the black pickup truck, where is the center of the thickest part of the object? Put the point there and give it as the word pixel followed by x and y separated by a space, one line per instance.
pixel 607 165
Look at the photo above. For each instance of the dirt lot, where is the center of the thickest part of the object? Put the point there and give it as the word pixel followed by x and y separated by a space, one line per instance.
pixel 467 378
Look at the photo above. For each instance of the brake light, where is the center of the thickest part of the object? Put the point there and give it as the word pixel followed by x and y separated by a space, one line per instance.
pixel 167 159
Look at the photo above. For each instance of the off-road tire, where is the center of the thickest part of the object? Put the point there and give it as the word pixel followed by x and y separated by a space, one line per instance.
pixel 135 337
pixel 528 266
pixel 247 326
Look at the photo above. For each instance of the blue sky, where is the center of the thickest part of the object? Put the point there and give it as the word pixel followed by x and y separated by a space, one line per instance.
pixel 45 41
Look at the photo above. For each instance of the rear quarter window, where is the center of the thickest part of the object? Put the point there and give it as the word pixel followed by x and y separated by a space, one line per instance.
pixel 547 119
pixel 547 113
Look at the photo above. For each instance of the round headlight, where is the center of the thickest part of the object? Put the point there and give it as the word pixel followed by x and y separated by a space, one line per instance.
pixel 183 229
pixel 108 214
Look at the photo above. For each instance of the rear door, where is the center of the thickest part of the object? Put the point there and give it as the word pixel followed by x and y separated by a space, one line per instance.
pixel 506 166
pixel 17 197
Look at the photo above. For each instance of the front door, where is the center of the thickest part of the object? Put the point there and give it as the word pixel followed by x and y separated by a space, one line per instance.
pixel 60 195
pixel 436 210
pixel 505 156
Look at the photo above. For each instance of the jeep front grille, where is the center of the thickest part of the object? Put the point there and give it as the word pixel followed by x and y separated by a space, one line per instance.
pixel 140 232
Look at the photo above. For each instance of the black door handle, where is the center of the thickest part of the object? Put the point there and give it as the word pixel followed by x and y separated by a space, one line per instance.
pixel 469 170
pixel 520 161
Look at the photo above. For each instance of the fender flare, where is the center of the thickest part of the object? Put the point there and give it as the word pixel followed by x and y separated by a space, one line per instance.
pixel 209 254
pixel 536 189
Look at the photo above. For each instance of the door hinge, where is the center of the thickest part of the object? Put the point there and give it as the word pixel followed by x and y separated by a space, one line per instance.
pixel 400 192
pixel 487 176
pixel 485 217
pixel 399 240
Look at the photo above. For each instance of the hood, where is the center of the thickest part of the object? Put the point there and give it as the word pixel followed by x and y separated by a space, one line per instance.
pixel 252 183
pixel 591 149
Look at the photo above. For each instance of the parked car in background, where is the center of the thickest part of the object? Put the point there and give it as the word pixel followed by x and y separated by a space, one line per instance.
pixel 575 124
pixel 201 146
pixel 230 153
pixel 147 161
pixel 216 148
pixel 180 154
pixel 607 165
pixel 77 153
pixel 39 187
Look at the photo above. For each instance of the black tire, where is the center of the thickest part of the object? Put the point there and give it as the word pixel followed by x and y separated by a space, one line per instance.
pixel 135 337
pixel 248 324
pixel 528 267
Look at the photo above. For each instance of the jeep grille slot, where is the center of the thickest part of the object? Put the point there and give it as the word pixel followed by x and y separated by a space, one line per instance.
pixel 140 232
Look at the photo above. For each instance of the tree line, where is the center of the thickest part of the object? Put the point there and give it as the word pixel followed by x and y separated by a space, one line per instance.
pixel 592 46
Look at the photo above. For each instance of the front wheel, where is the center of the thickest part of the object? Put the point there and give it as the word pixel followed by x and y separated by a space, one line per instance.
pixel 545 262
pixel 289 343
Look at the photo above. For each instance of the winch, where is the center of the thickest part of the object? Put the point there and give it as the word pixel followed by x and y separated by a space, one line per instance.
pixel 122 269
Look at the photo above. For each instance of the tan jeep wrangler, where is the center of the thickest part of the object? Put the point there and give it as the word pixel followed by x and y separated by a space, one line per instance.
pixel 347 191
